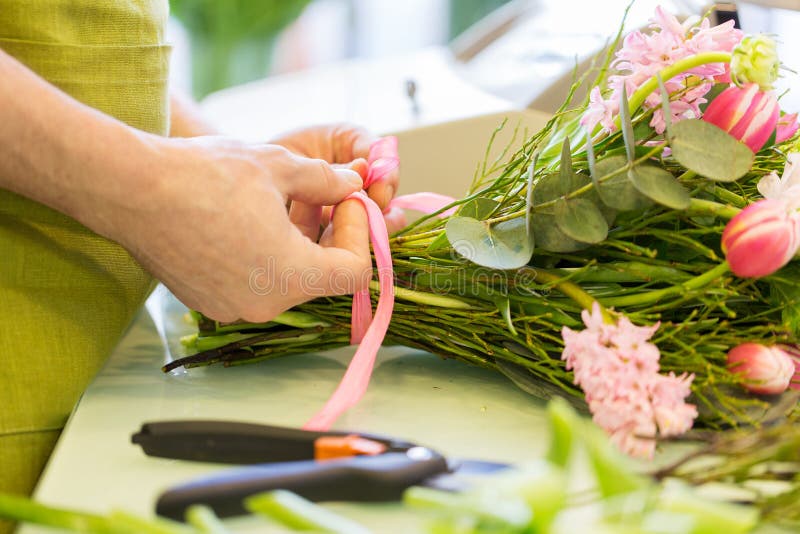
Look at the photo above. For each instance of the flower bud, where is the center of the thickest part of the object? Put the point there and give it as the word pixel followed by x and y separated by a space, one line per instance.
pixel 794 353
pixel 766 370
pixel 755 60
pixel 749 115
pixel 761 238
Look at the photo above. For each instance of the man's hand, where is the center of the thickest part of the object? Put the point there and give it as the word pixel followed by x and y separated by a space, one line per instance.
pixel 217 232
pixel 338 144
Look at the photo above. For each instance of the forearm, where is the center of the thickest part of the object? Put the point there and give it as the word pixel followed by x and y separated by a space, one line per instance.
pixel 186 119
pixel 67 155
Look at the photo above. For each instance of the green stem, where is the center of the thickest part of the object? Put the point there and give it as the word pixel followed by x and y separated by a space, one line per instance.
pixel 666 74
pixel 422 297
pixel 651 297
pixel 573 291
pixel 699 206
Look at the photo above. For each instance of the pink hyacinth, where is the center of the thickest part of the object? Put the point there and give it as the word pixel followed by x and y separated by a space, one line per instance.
pixel 617 368
pixel 644 54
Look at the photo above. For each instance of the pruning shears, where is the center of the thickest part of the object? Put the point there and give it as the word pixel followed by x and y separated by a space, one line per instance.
pixel 320 466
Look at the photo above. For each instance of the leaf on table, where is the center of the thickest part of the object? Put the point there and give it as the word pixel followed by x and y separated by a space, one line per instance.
pixel 709 151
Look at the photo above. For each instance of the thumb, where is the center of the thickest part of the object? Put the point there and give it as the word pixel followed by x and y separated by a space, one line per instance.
pixel 315 181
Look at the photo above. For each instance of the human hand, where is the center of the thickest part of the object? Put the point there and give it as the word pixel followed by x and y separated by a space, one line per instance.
pixel 215 229
pixel 340 144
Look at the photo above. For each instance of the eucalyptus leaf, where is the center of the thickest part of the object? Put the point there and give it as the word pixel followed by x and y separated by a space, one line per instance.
pixel 504 245
pixel 479 208
pixel 546 232
pixel 627 126
pixel 618 192
pixel 666 110
pixel 660 186
pixel 549 237
pixel 581 220
pixel 709 151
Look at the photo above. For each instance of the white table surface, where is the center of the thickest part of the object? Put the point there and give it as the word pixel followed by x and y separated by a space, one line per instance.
pixel 458 409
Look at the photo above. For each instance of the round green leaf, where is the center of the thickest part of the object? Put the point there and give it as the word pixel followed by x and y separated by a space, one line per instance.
pixel 709 151
pixel 505 245
pixel 479 208
pixel 581 220
pixel 618 192
pixel 660 186
pixel 548 236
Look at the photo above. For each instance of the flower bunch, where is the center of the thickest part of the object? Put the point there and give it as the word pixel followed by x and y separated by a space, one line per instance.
pixel 618 257
pixel 645 54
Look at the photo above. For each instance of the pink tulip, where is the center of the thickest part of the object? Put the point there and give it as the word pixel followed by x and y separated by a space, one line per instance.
pixel 766 370
pixel 787 127
pixel 793 351
pixel 761 238
pixel 747 113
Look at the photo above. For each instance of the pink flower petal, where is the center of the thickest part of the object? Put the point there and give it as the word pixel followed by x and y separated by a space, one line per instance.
pixel 787 127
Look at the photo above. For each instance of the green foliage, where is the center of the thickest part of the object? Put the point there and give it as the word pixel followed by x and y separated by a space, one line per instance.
pixel 502 245
pixel 617 191
pixel 660 186
pixel 580 219
pixel 709 151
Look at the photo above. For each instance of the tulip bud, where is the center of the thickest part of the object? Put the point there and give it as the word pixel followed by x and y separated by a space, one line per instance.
pixel 766 370
pixel 749 115
pixel 755 60
pixel 761 238
pixel 794 353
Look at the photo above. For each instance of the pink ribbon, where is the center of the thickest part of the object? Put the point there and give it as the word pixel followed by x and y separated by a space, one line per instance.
pixel 367 331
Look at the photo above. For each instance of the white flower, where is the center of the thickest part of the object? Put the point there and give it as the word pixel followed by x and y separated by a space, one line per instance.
pixel 786 188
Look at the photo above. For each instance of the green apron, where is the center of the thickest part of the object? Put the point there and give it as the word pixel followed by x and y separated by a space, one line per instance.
pixel 66 294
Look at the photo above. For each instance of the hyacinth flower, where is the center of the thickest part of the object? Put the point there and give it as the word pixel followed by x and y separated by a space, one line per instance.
pixel 765 370
pixel 747 113
pixel 617 368
pixel 761 238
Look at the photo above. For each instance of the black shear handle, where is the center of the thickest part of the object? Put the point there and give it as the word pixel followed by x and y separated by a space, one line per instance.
pixel 237 443
pixel 361 478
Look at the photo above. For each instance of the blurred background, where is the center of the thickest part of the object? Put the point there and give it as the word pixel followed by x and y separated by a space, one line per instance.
pixel 235 41
pixel 392 64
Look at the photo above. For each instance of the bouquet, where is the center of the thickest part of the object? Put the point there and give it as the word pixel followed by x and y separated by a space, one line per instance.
pixel 638 255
